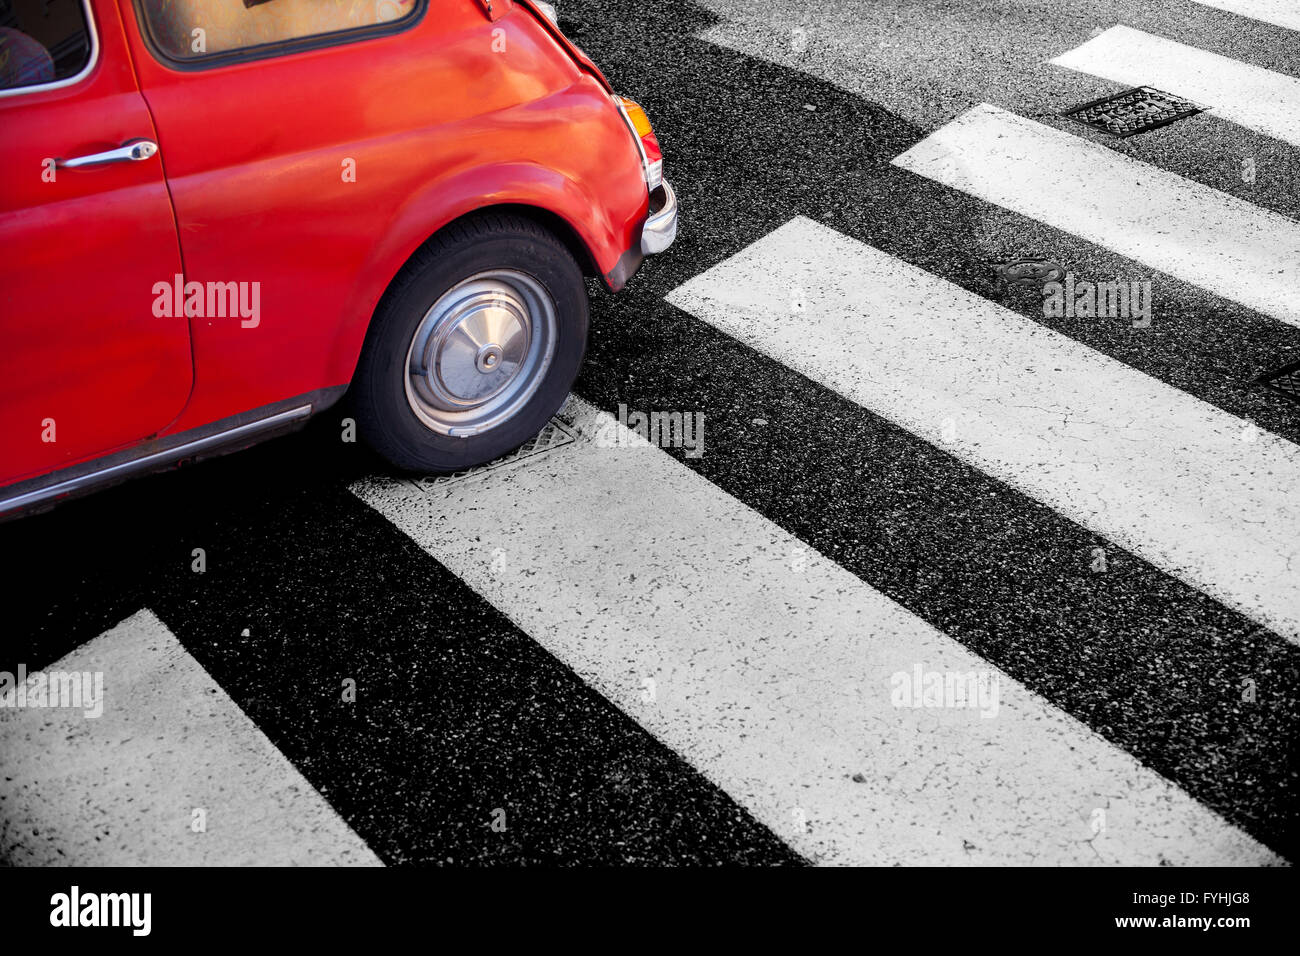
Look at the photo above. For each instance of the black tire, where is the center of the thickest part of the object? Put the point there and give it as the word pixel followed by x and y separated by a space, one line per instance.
pixel 490 241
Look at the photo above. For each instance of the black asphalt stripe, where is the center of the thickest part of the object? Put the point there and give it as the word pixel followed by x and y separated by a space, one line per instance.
pixel 1150 663
pixel 68 576
pixel 746 156
pixel 458 713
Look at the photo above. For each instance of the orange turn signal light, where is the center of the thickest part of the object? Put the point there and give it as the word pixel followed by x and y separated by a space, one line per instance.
pixel 640 122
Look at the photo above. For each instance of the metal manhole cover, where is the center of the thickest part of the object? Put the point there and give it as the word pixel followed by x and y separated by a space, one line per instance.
pixel 1134 111
pixel 1028 273
pixel 554 435
pixel 1285 380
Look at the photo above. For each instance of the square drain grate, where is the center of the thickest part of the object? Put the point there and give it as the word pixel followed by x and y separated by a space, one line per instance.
pixel 1134 111
pixel 555 435
pixel 1285 380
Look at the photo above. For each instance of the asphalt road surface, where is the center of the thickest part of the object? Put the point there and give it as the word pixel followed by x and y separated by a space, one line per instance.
pixel 907 478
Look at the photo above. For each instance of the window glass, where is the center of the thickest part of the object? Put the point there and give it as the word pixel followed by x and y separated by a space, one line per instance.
pixel 41 41
pixel 192 29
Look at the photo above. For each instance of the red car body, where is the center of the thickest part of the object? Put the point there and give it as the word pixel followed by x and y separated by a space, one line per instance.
pixel 247 186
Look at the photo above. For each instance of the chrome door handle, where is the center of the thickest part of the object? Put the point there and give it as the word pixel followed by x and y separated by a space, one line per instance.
pixel 133 150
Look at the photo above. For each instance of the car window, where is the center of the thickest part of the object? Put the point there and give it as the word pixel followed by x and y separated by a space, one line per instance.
pixel 42 41
pixel 193 29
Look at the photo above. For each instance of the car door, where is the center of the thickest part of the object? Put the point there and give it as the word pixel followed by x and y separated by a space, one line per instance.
pixel 86 233
pixel 281 123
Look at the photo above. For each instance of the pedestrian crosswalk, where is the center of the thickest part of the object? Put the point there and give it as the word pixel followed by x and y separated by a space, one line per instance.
pixel 1282 13
pixel 1250 96
pixel 170 773
pixel 769 668
pixel 822 702
pixel 639 574
pixel 1196 491
pixel 1202 236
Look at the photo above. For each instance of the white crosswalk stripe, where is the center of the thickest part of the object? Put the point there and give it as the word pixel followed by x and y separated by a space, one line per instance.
pixel 122 788
pixel 771 669
pixel 1282 13
pixel 1202 236
pixel 1194 490
pixel 1253 97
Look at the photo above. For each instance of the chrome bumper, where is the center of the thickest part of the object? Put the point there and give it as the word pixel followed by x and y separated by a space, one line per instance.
pixel 661 227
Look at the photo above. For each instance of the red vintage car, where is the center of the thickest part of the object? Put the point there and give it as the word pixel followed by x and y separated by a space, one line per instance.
pixel 219 215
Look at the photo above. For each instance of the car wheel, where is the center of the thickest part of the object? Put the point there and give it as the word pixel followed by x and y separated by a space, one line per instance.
pixel 474 346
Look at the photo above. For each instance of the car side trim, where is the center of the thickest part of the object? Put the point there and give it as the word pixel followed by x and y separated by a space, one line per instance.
pixel 227 435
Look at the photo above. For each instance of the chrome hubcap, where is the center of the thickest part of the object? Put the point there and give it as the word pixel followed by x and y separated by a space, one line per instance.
pixel 480 352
